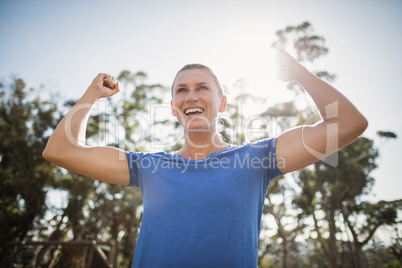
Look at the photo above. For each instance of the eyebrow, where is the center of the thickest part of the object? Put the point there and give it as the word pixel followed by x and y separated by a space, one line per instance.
pixel 198 84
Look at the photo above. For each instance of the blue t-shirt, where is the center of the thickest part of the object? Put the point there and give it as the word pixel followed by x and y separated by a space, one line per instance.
pixel 202 213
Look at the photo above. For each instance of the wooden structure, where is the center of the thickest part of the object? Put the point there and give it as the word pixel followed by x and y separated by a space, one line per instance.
pixel 93 252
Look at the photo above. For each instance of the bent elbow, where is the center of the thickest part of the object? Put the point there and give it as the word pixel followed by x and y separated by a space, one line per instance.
pixel 49 154
pixel 348 134
pixel 46 154
pixel 362 125
pixel 352 133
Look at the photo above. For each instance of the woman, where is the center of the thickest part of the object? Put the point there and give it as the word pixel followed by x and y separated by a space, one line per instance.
pixel 203 204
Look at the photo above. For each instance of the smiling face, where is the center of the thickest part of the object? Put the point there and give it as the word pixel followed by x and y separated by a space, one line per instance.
pixel 197 100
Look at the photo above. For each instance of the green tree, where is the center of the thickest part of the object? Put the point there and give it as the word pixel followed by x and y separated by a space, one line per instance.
pixel 302 41
pixel 326 188
pixel 330 197
pixel 129 110
pixel 289 226
pixel 24 124
pixel 93 210
pixel 363 220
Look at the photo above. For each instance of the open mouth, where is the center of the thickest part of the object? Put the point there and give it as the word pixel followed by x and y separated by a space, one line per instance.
pixel 193 111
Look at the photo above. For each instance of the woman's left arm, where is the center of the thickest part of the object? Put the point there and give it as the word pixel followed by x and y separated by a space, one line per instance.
pixel 341 122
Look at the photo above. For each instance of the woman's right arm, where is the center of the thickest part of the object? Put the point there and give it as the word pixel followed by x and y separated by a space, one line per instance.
pixel 66 147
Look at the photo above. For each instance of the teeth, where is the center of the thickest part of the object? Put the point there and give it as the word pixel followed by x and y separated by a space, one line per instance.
pixel 193 110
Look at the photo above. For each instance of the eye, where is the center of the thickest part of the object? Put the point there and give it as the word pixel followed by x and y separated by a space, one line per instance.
pixel 182 89
pixel 203 88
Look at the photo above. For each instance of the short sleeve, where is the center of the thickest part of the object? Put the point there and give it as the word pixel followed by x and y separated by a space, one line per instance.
pixel 274 172
pixel 132 161
pixel 269 147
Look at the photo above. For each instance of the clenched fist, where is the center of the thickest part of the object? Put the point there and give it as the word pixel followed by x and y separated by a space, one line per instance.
pixel 105 85
pixel 288 68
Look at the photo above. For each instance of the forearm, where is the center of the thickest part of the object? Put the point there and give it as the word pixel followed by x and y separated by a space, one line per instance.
pixel 66 147
pixel 70 133
pixel 332 105
pixel 341 122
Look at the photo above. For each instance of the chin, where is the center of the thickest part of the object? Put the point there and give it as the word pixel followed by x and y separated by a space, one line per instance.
pixel 200 126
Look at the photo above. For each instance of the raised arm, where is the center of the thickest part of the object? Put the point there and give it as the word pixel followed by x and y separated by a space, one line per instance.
pixel 66 147
pixel 341 122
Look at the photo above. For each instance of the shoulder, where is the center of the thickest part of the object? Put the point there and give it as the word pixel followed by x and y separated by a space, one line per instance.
pixel 138 156
pixel 264 144
pixel 264 148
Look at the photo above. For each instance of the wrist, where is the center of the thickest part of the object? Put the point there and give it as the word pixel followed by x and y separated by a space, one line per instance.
pixel 92 95
pixel 301 73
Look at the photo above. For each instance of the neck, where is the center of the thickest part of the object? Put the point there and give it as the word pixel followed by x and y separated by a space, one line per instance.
pixel 200 145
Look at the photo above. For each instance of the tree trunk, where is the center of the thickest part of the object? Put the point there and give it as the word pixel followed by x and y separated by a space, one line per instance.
pixel 359 255
pixel 333 247
pixel 287 258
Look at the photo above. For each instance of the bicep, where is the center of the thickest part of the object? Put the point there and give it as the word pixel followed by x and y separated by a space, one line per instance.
pixel 105 164
pixel 302 146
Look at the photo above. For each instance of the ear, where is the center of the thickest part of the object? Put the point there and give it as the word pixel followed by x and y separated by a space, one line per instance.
pixel 173 110
pixel 223 104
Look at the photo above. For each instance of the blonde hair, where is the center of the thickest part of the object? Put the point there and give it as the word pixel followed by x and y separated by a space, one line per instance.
pixel 198 66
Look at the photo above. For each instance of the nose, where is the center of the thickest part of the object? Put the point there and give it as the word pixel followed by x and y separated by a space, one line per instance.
pixel 191 96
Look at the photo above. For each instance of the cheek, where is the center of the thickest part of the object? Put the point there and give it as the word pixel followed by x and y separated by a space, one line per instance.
pixel 175 106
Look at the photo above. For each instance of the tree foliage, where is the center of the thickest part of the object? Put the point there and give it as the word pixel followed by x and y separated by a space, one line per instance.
pixel 92 210
pixel 387 134
pixel 25 120
pixel 330 200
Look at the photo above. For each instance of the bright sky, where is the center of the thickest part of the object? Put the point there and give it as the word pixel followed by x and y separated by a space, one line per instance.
pixel 64 44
